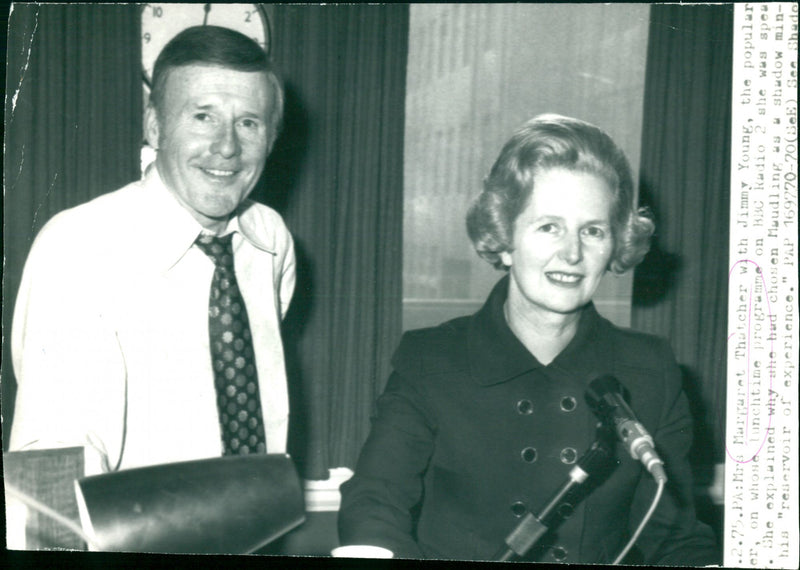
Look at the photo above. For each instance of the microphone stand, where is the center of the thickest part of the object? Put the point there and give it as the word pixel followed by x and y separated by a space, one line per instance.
pixel 533 526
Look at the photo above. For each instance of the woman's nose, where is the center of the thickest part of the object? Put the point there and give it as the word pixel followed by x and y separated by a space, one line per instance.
pixel 227 142
pixel 571 249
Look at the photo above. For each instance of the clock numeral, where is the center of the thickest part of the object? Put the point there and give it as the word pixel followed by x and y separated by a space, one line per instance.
pixel 158 11
pixel 147 37
pixel 248 14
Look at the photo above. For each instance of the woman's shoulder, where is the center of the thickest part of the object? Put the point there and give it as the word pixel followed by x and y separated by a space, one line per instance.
pixel 646 365
pixel 433 350
pixel 636 349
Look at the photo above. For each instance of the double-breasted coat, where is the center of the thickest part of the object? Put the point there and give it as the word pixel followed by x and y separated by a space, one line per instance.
pixel 472 432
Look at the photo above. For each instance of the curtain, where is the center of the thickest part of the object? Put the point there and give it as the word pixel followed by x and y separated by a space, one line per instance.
pixel 336 175
pixel 680 290
pixel 73 126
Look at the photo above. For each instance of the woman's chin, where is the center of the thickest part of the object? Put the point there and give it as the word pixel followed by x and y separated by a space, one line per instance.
pixel 566 304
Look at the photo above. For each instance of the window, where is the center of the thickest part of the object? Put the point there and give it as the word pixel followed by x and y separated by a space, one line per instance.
pixel 475 73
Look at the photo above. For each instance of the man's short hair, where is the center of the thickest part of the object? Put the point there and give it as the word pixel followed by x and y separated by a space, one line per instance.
pixel 223 47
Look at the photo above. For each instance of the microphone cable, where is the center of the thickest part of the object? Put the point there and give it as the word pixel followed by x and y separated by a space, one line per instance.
pixel 645 520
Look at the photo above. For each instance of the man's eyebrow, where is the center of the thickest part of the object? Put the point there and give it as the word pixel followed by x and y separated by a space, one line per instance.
pixel 194 106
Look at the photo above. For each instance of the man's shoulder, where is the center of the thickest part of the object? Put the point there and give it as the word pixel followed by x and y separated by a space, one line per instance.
pixel 104 215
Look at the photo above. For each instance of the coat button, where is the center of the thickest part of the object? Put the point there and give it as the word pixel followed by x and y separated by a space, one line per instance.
pixel 568 455
pixel 519 509
pixel 529 454
pixel 568 403
pixel 524 407
pixel 559 553
pixel 565 510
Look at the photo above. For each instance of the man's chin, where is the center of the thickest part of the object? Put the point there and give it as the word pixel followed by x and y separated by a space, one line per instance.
pixel 214 219
pixel 219 209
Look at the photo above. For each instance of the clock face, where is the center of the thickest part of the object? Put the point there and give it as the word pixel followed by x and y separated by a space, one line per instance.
pixel 162 22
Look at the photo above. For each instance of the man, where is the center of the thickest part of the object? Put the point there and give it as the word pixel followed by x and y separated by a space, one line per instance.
pixel 130 336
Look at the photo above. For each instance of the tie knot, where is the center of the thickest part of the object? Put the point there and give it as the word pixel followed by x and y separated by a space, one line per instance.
pixel 219 249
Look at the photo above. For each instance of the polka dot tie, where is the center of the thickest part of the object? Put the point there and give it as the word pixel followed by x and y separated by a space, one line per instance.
pixel 235 376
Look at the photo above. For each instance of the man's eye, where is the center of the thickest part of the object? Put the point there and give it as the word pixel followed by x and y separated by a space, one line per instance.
pixel 202 117
pixel 249 123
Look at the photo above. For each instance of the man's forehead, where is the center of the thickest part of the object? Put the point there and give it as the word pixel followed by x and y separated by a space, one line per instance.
pixel 195 84
pixel 199 77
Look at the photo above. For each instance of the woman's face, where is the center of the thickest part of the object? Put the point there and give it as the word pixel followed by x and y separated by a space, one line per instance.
pixel 562 242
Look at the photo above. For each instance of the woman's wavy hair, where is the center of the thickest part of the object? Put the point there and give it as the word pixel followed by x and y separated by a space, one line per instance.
pixel 553 141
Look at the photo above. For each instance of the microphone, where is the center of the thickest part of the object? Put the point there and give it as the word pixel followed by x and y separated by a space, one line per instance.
pixel 605 397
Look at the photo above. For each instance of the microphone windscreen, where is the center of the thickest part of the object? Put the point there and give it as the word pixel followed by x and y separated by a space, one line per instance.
pixel 599 394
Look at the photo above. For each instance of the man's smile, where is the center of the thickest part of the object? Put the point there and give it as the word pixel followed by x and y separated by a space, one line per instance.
pixel 219 173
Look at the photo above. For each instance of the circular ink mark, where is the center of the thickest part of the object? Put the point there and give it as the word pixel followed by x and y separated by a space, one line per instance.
pixel 742 347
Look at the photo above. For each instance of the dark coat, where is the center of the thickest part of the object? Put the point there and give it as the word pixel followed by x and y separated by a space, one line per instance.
pixel 472 432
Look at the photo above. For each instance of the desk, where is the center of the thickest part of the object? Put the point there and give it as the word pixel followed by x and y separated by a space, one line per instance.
pixel 48 476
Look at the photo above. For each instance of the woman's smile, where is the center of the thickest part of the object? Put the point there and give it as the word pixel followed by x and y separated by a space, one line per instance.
pixel 564 279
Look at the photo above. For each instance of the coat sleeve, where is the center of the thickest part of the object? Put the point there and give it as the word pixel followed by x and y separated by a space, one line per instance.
pixel 673 535
pixel 378 501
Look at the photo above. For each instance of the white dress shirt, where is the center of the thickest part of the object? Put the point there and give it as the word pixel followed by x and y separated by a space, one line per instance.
pixel 110 334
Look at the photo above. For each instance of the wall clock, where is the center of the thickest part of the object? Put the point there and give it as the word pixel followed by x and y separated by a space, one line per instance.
pixel 162 22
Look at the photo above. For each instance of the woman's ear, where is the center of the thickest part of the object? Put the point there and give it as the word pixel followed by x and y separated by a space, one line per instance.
pixel 505 257
pixel 151 127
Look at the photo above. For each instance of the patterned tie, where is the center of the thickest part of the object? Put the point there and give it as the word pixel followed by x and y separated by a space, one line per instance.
pixel 235 376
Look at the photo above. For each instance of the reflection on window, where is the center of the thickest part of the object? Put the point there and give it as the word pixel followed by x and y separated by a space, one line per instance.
pixel 475 73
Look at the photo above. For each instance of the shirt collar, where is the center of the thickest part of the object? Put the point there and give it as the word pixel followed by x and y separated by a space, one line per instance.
pixel 246 223
pixel 174 230
pixel 497 355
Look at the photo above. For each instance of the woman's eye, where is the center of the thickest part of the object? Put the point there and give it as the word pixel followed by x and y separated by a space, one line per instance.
pixel 548 228
pixel 595 232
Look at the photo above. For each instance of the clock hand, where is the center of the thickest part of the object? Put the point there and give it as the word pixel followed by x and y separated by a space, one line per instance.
pixel 206 9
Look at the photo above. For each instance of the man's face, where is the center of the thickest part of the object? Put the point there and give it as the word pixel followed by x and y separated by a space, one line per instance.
pixel 213 136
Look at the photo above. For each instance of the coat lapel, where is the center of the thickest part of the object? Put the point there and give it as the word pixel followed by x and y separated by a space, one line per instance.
pixel 495 355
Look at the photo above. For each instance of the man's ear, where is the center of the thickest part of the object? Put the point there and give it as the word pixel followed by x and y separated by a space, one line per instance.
pixel 151 127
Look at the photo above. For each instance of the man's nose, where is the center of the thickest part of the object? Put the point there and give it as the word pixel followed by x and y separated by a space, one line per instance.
pixel 571 249
pixel 227 142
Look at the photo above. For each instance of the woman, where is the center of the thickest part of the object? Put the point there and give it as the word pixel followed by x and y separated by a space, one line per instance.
pixel 484 416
